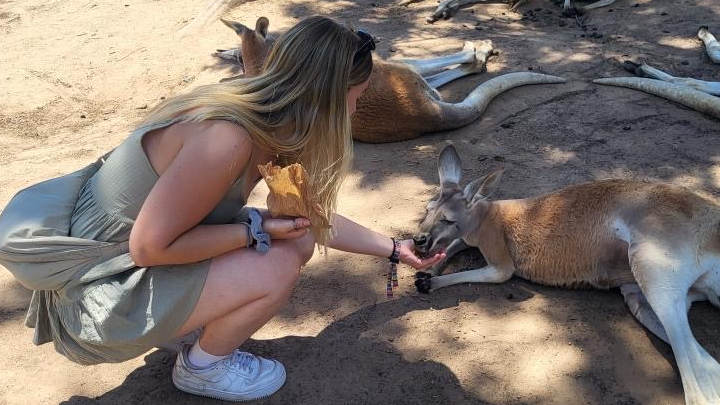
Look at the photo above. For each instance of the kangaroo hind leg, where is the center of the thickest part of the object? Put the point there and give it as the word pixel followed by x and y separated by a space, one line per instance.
pixel 665 274
pixel 598 4
pixel 429 66
pixel 483 50
pixel 641 310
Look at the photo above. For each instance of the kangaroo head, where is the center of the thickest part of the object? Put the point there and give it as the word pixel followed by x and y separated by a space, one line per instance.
pixel 255 44
pixel 455 211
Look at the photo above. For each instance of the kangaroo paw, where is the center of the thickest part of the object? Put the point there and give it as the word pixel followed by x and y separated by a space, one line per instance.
pixel 422 282
pixel 632 67
pixel 444 11
pixel 468 46
pixel 702 31
pixel 515 4
pixel 571 11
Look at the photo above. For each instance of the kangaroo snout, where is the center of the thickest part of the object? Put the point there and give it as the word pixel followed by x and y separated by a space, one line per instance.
pixel 421 241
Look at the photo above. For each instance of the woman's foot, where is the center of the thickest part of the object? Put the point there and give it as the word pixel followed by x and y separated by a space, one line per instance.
pixel 241 376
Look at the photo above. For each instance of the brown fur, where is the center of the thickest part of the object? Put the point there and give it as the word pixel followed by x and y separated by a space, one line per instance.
pixel 541 237
pixel 659 243
pixel 567 238
pixel 398 104
pixel 255 44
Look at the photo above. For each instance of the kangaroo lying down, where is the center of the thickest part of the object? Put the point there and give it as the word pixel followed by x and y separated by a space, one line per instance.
pixel 448 8
pixel 645 70
pixel 401 101
pixel 699 95
pixel 659 243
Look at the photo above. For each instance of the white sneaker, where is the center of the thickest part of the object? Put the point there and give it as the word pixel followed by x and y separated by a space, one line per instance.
pixel 239 377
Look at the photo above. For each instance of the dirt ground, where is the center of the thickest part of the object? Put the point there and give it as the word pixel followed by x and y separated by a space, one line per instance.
pixel 76 74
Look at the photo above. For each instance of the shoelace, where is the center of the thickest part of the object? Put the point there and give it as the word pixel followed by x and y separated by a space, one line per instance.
pixel 242 361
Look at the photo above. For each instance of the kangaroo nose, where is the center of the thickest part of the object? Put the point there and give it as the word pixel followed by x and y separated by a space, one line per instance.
pixel 420 240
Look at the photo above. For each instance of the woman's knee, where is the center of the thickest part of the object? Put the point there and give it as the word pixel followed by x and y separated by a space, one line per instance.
pixel 306 247
pixel 296 252
pixel 287 278
pixel 301 249
pixel 275 274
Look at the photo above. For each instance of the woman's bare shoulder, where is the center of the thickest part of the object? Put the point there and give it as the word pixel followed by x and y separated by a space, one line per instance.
pixel 223 132
pixel 216 139
pixel 222 140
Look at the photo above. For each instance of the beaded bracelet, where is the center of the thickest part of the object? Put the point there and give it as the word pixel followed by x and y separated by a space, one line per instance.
pixel 392 281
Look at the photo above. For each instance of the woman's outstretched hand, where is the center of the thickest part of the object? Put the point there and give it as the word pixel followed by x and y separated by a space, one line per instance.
pixel 409 257
pixel 282 228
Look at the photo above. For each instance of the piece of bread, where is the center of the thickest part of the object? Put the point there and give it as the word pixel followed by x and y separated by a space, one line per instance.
pixel 290 195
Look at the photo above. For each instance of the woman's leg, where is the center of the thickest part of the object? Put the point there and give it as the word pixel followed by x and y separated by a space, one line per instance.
pixel 243 291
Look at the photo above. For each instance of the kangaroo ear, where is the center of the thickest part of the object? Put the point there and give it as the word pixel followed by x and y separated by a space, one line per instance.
pixel 236 26
pixel 472 188
pixel 449 169
pixel 487 187
pixel 261 26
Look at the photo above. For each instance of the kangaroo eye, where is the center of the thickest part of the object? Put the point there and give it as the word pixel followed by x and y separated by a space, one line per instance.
pixel 446 221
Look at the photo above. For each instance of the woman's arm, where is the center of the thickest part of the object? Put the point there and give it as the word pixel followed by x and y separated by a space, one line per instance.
pixel 166 230
pixel 349 236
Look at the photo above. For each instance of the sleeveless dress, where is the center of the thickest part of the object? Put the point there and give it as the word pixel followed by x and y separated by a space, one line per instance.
pixel 67 240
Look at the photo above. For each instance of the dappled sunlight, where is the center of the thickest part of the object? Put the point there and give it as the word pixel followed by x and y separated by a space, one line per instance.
pixel 550 353
pixel 416 47
pixel 549 370
pixel 557 156
pixel 302 323
pixel 376 195
pixel 450 335
pixel 72 95
pixel 552 56
pixel 715 175
pixel 581 57
pixel 455 334
pixel 691 42
pixel 435 334
pixel 648 11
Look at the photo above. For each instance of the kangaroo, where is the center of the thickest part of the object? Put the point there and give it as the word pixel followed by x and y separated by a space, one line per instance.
pixel 448 8
pixel 712 46
pixel 699 95
pixel 660 244
pixel 401 101
pixel 645 70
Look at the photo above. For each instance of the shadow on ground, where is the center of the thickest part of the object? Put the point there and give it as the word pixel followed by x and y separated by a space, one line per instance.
pixel 343 365
pixel 388 352
pixel 515 343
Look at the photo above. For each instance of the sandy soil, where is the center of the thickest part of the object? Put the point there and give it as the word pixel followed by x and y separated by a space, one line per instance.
pixel 76 74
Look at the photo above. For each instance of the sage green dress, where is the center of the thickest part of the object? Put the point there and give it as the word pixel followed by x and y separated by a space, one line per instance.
pixel 67 239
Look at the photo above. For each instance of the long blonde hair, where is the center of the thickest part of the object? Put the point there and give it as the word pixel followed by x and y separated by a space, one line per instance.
pixel 296 107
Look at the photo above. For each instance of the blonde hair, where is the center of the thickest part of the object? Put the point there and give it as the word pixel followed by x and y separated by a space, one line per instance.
pixel 295 108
